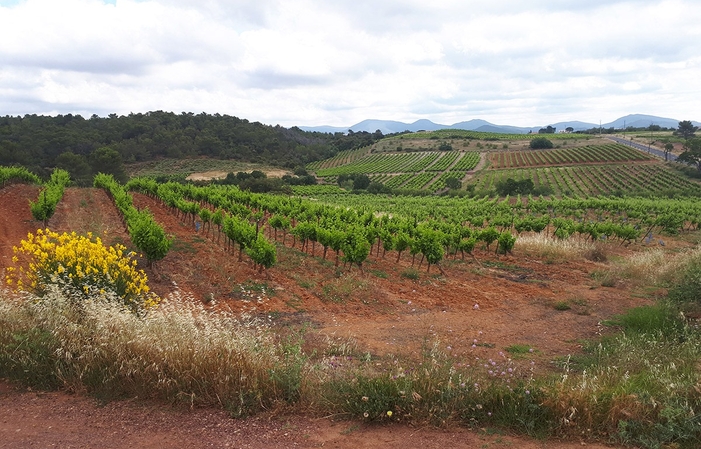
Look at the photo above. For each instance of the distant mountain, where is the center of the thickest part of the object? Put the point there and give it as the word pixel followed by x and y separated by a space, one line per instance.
pixel 576 125
pixel 390 126
pixel 641 121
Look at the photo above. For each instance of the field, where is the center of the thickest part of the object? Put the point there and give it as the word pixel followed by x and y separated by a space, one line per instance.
pixel 193 167
pixel 578 166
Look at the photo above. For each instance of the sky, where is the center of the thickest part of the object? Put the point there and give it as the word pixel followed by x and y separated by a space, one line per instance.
pixel 338 62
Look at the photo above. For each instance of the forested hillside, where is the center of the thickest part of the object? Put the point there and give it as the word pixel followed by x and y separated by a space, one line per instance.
pixel 101 144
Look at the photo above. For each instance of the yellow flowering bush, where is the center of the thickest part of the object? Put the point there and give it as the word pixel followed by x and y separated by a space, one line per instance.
pixel 80 263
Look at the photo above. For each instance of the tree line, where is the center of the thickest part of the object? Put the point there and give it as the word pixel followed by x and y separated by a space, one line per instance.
pixel 86 146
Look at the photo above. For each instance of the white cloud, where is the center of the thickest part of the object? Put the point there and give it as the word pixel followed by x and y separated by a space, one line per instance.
pixel 307 62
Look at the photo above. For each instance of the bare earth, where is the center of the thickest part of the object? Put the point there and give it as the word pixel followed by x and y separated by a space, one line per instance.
pixel 498 301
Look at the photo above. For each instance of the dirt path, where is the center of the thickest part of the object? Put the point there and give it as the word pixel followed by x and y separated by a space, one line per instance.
pixel 15 218
pixel 42 420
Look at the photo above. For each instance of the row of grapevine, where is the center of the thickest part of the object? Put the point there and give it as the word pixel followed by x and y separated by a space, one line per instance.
pixel 566 156
pixel 398 180
pixel 677 214
pixel 376 163
pixel 356 225
pixel 587 180
pixel 147 235
pixel 379 163
pixel 318 189
pixel 439 183
pixel 468 161
pixel 17 174
pixel 239 225
pixel 342 158
pixel 446 161
pixel 45 205
pixel 351 233
pixel 419 181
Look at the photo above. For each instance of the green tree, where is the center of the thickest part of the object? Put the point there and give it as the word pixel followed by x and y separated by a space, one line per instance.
pixel 453 183
pixel 361 182
pixel 77 166
pixel 108 161
pixel 686 129
pixel 540 143
pixel 692 152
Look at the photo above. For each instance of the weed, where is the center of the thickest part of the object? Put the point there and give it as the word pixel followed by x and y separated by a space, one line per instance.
pixel 519 349
pixel 305 283
pixel 410 273
pixel 562 305
pixel 344 288
pixel 379 273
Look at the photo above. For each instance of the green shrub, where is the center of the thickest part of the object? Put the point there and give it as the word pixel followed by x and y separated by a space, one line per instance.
pixel 540 143
pixel 688 288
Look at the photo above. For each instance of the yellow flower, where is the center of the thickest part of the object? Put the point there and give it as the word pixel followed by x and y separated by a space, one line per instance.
pixel 80 262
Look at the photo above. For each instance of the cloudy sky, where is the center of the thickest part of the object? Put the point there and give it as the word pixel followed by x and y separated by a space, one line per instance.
pixel 337 62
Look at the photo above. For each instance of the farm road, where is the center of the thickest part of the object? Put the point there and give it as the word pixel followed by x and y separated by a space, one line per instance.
pixel 643 148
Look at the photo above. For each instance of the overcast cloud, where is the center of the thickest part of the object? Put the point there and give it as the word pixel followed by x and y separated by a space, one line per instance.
pixel 321 62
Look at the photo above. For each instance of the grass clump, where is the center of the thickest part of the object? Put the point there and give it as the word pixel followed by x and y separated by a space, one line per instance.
pixel 553 249
pixel 410 273
pixel 641 386
pixel 562 306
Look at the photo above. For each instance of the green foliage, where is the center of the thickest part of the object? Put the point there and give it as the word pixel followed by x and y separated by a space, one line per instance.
pixel 262 252
pixel 506 242
pixel 355 247
pixel 45 206
pixel 540 143
pixel 27 355
pixel 488 236
pixel 658 318
pixel 148 236
pixel 688 288
pixel 512 187
pixel 157 134
pixel 691 153
pixel 17 174
pixel 430 244
pixel 686 129
pixel 453 183
pixel 361 182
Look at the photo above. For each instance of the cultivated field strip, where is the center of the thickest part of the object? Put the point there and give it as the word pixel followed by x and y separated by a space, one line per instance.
pixel 611 153
pixel 591 180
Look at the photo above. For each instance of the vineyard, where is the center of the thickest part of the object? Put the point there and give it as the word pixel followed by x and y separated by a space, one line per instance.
pixel 417 170
pixel 590 170
pixel 374 275
pixel 611 153
pixel 430 229
pixel 592 180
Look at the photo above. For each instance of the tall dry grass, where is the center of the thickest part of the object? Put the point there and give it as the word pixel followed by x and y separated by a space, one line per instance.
pixel 552 248
pixel 179 352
